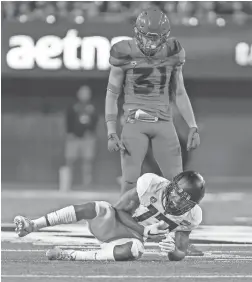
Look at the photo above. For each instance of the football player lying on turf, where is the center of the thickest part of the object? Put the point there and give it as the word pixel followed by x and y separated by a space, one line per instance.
pixel 155 207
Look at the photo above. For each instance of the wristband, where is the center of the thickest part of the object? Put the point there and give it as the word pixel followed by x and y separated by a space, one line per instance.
pixel 194 126
pixel 111 136
pixel 111 117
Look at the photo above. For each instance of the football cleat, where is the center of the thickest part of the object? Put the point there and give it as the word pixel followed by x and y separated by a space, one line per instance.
pixel 193 251
pixel 24 225
pixel 59 254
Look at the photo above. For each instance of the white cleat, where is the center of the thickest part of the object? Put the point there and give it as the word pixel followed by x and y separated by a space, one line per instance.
pixel 24 225
pixel 59 254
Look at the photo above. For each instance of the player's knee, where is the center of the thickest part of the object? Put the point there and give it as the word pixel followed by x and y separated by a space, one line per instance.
pixel 132 250
pixel 127 185
pixel 85 211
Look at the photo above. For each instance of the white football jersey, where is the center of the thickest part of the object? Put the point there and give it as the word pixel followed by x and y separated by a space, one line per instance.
pixel 149 188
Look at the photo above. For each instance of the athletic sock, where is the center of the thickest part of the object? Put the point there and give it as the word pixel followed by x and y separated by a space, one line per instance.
pixel 63 216
pixel 101 255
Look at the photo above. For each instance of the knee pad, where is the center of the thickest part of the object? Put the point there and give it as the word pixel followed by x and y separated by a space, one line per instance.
pixel 137 248
pixel 102 208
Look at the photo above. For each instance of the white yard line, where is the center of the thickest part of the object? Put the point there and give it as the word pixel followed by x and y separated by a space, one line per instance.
pixel 12 250
pixel 127 276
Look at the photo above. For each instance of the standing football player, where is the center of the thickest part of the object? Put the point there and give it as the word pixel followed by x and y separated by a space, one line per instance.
pixel 149 69
pixel 155 206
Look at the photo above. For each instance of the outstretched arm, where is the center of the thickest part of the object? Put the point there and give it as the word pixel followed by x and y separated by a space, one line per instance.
pixel 181 245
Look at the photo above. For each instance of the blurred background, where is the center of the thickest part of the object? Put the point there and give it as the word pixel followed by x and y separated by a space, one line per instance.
pixel 54 77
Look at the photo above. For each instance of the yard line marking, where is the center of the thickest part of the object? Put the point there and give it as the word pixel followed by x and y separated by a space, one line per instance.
pixel 234 259
pixel 127 276
pixel 11 250
pixel 224 245
pixel 223 252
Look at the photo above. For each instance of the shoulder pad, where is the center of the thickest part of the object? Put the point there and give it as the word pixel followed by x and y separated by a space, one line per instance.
pixel 120 53
pixel 147 183
pixel 197 215
pixel 174 48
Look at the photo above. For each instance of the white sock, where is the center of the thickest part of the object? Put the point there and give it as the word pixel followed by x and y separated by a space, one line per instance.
pixel 64 216
pixel 104 255
pixel 39 223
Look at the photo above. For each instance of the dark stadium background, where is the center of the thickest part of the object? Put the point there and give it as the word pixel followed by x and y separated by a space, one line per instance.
pixel 217 37
pixel 218 78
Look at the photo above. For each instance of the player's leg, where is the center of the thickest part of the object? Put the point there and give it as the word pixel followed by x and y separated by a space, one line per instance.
pixel 67 215
pixel 136 143
pixel 150 164
pixel 119 250
pixel 166 149
pixel 106 228
pixel 71 155
pixel 88 150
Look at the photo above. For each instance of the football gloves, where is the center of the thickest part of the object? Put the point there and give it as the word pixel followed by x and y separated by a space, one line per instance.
pixel 154 230
pixel 114 143
pixel 193 140
pixel 167 245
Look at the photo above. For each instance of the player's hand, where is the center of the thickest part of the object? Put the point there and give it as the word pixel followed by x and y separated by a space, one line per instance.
pixel 154 230
pixel 193 140
pixel 167 245
pixel 114 143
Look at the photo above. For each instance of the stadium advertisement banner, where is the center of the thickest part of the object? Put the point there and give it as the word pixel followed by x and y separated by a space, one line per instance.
pixel 69 50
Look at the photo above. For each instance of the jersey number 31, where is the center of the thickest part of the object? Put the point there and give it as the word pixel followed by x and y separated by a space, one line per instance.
pixel 146 80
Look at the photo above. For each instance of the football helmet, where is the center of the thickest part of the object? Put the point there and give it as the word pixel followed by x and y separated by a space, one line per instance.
pixel 183 193
pixel 152 30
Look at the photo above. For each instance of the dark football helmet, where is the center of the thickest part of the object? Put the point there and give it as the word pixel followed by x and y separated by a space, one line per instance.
pixel 183 193
pixel 152 30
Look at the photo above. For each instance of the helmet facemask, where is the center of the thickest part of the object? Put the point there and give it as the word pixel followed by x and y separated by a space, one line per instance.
pixel 176 201
pixel 150 43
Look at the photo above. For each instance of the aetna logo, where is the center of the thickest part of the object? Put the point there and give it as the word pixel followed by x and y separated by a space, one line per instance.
pixel 52 52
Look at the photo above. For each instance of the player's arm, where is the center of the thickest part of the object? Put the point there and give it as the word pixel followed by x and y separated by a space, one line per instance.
pixel 128 202
pixel 184 106
pixel 126 206
pixel 182 100
pixel 181 245
pixel 116 78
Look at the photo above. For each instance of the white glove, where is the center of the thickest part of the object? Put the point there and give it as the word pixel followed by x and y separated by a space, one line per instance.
pixel 155 229
pixel 167 245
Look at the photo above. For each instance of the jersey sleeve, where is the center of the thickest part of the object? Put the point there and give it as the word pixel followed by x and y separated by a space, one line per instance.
pixel 120 53
pixel 143 184
pixel 146 182
pixel 192 221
